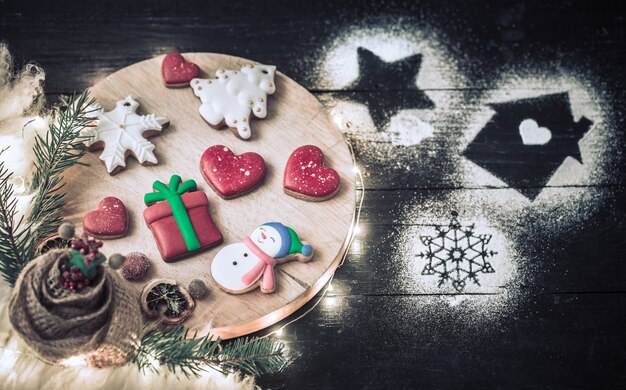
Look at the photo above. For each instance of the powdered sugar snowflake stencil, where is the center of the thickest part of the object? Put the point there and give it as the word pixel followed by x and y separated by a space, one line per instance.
pixel 121 132
pixel 457 254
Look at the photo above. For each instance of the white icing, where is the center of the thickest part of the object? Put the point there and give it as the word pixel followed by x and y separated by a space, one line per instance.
pixel 233 95
pixel 231 263
pixel 267 239
pixel 122 130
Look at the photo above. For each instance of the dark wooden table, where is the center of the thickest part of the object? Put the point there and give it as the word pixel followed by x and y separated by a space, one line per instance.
pixel 552 314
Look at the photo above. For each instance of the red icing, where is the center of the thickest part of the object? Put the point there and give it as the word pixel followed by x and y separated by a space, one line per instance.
pixel 176 71
pixel 166 232
pixel 109 220
pixel 230 174
pixel 306 173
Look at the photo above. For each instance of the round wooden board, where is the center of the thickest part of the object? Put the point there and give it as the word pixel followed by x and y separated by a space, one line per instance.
pixel 295 118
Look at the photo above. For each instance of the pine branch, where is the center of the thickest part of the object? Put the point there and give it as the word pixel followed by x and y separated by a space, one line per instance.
pixel 59 150
pixel 191 356
pixel 269 356
pixel 13 242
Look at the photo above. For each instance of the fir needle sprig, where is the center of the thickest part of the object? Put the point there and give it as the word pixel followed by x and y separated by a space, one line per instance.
pixel 15 245
pixel 57 151
pixel 174 349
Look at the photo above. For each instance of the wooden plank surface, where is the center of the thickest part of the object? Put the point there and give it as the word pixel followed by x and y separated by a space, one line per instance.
pixel 556 320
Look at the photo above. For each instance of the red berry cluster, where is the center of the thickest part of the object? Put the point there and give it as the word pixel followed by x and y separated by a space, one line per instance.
pixel 87 246
pixel 72 279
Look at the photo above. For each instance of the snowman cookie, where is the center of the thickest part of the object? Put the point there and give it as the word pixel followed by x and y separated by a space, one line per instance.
pixel 242 267
pixel 233 95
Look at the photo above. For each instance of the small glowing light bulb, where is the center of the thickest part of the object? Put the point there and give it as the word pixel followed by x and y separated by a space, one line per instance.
pixel 19 185
pixel 279 332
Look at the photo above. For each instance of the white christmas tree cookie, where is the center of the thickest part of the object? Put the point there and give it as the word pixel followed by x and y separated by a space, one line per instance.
pixel 122 132
pixel 242 267
pixel 233 95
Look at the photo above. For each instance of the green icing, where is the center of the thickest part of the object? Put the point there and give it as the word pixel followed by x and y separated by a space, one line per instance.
pixel 296 245
pixel 78 259
pixel 172 194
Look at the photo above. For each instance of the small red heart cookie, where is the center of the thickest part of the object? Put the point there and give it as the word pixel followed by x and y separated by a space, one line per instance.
pixel 306 176
pixel 229 174
pixel 110 220
pixel 177 72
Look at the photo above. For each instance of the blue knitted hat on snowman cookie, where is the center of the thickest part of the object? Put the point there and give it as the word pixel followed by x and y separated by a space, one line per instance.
pixel 290 242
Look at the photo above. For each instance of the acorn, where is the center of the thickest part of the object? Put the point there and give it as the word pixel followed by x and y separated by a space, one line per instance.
pixel 197 289
pixel 116 261
pixel 66 231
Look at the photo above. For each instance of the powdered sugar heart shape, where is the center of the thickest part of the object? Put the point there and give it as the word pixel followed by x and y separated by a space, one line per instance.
pixel 532 134
pixel 109 220
pixel 306 177
pixel 177 72
pixel 229 174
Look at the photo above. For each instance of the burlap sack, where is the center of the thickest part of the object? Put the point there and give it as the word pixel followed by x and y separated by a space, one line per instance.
pixel 102 322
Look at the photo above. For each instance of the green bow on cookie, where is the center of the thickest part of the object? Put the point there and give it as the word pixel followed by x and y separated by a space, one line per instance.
pixel 172 194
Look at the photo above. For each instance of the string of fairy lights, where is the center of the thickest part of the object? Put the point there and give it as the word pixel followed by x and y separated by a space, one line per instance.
pixel 354 230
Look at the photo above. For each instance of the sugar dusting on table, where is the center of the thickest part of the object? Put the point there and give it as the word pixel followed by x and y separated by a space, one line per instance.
pixel 338 67
pixel 431 142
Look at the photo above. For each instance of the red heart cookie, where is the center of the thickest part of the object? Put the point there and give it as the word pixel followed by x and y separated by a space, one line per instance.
pixel 110 220
pixel 177 72
pixel 229 174
pixel 306 176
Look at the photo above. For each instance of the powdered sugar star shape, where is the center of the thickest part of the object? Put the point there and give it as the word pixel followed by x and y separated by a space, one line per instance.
pixel 122 130
pixel 457 254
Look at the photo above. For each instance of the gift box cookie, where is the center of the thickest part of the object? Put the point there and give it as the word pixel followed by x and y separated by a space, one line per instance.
pixel 179 219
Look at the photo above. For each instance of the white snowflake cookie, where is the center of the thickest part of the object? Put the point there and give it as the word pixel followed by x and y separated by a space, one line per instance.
pixel 122 132
pixel 233 95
